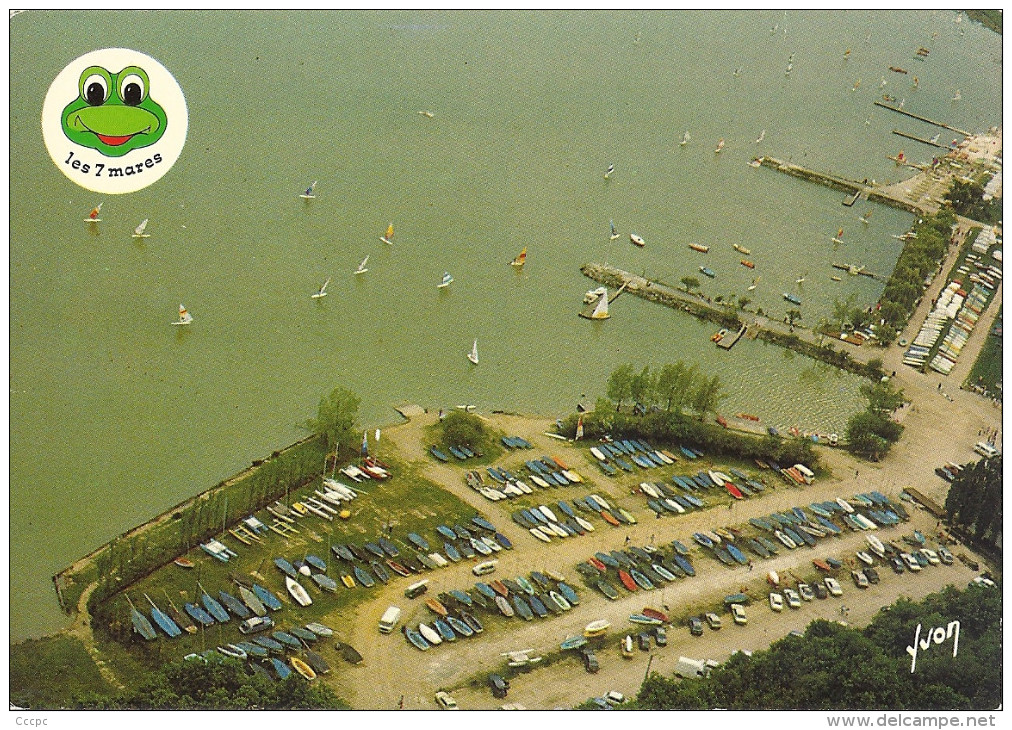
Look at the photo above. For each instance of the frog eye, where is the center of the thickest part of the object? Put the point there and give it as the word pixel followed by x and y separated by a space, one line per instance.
pixel 133 86
pixel 95 89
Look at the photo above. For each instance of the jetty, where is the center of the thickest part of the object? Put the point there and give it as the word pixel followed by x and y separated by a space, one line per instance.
pixel 915 138
pixel 854 187
pixel 918 117
pixel 728 341
pixel 855 270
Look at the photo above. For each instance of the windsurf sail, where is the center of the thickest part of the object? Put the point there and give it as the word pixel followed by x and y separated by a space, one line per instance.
pixel 614 233
pixel 361 267
pixel 388 237
pixel 93 215
pixel 447 280
pixel 473 354
pixel 139 230
pixel 521 259
pixel 611 169
pixel 184 316
pixel 579 428
pixel 309 191
pixel 601 310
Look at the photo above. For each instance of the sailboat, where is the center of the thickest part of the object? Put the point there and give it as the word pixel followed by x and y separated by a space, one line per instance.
pixel 865 217
pixel 601 310
pixel 611 169
pixel 93 215
pixel 801 280
pixel 846 54
pixel 521 259
pixel 447 280
pixel 685 139
pixel 882 82
pixel 957 96
pixel 720 146
pixel 388 237
pixel 614 233
pixel 762 136
pixel 139 230
pixel 323 291
pixel 839 236
pixel 473 354
pixel 754 282
pixel 737 72
pixel 856 86
pixel 309 195
pixel 361 267
pixel 184 316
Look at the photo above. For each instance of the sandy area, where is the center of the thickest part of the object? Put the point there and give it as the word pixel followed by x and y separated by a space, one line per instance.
pixel 937 430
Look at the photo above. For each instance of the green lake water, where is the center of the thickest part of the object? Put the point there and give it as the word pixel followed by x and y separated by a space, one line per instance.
pixel 115 415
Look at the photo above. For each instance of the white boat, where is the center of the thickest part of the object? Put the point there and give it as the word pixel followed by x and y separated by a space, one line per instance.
pixel 865 217
pixel 720 146
pixel 845 505
pixel 427 114
pixel 539 534
pixel 614 233
pixel 548 513
pixel 388 237
pixel 800 280
pixel 650 490
pixel 297 591
pixel 685 139
pixel 93 215
pixel 584 523
pixel 838 238
pixel 361 267
pixel 773 578
pixel 627 647
pixel 740 249
pixel 601 310
pixel 597 454
pixel 755 281
pixel 139 230
pixel 718 478
pixel 309 195
pixel 600 501
pixel 876 545
pixel 473 354
pixel 323 291
pixel 638 240
pixel 592 295
pixel 596 628
pixel 184 316
pixel 957 96
pixel 430 634
pixel 865 558
pixel 609 171
pixel 447 280
pixel 762 136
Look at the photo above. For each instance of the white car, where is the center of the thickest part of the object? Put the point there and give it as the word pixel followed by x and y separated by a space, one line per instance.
pixel 932 556
pixel 912 565
pixel 776 601
pixel 833 587
pixel 615 698
pixel 445 701
pixel 982 581
pixel 793 599
pixel 860 579
pixel 806 592
pixel 738 612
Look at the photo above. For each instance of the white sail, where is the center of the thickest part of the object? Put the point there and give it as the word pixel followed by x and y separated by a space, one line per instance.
pixel 184 316
pixel 473 354
pixel 139 230
pixel 323 291
pixel 685 139
pixel 762 136
pixel 601 310
pixel 361 267
pixel 447 280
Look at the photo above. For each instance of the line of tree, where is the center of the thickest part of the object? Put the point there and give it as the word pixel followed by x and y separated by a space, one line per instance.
pixel 214 685
pixel 872 432
pixel 920 257
pixel 967 199
pixel 974 502
pixel 675 387
pixel 833 667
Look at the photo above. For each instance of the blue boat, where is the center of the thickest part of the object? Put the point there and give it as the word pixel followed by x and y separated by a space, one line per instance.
pixel 694 500
pixel 461 597
pixel 287 639
pixel 342 552
pixel 465 549
pixel 641 580
pixel 679 547
pixel 444 630
pixel 623 559
pixel 828 525
pixel 281 668
pixel 792 298
pixel 757 486
pixel 165 623
pixel 566 508
pixel 388 547
pixel 303 633
pixel 458 453
pixel 466 451
pixel 656 506
pixel 800 514
pixel 702 482
pixel 285 567
pixel 375 550
pixel 737 554
pixel 415 638
pixel 522 608
pixel 451 552
pixel 607 468
pixel 253 650
pixel 738 473
pixel 802 538
pixel 534 516
pixel 706 271
pixel 618 515
pixel 472 622
pixel 573 642
pixel 418 541
pixel 757 547
pixel 559 478
pixel 459 626
pixel 233 604
pixel 483 524
pixel 213 607
pixel 535 467
pixel 270 644
pixel 623 464
pixel 537 606
pixel 494 473
pixel 503 540
pixel 486 590
pixel 581 504
pixel 438 454
pixel 879 497
pixel 568 593
pixel 688 453
pixel 446 532
pixel 462 532
pixel 266 597
pixel 364 578
pixel 685 565
pixel 702 539
pixel 507 441
pixel 769 545
pixel 607 559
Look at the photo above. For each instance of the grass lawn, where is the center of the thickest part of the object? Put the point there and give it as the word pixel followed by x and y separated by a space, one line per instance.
pixel 987 371
pixel 45 672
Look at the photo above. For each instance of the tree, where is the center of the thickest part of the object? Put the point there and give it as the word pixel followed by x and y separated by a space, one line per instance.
pixel 974 502
pixel 743 302
pixel 620 384
pixel 843 311
pixel 668 383
pixel 882 397
pixel 690 282
pixel 336 417
pixel 793 315
pixel 708 395
pixel 462 429
pixel 642 386
pixel 863 437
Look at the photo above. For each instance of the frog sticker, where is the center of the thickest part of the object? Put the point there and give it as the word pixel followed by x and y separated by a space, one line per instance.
pixel 114 113
pixel 114 120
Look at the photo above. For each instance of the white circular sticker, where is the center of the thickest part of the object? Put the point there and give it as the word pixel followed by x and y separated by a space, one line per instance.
pixel 114 120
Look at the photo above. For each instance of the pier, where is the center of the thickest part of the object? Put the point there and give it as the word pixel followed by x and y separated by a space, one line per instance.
pixel 943 125
pixel 728 341
pixel 855 188
pixel 849 201
pixel 915 138
pixel 857 270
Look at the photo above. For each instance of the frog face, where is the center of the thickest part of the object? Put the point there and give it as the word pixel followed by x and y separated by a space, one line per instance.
pixel 113 113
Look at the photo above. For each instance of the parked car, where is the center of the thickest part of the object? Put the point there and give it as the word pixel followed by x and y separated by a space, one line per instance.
pixel 820 591
pixel 776 601
pixel 714 621
pixel 695 626
pixel 945 556
pixel 792 598
pixel 498 685
pixel 897 565
pixel 738 613
pixel 660 636
pixel 643 639
pixel 445 701
pixel 932 556
pixel 872 575
pixel 615 698
pixel 982 581
pixel 860 579
pixel 833 587
pixel 590 662
pixel 806 592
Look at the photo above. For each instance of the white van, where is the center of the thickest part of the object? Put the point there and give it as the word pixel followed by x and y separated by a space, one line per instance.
pixel 691 668
pixel 416 589
pixel 485 568
pixel 985 449
pixel 389 619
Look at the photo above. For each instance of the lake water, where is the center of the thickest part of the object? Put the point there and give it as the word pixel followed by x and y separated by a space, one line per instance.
pixel 115 415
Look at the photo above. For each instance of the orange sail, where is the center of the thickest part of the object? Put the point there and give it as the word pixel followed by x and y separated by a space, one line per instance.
pixel 521 259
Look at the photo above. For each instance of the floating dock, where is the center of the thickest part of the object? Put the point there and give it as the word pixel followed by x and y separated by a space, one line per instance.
pixel 915 138
pixel 857 270
pixel 728 341
pixel 943 125
pixel 851 199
